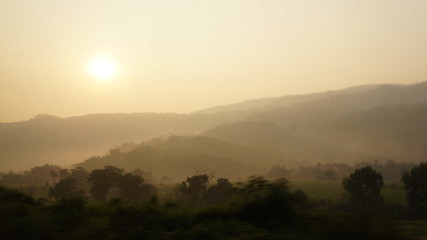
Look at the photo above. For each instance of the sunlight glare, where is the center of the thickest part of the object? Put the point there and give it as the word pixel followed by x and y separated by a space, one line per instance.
pixel 103 68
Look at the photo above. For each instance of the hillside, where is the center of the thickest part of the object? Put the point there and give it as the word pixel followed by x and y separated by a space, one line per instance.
pixel 324 108
pixel 182 156
pixel 301 126
pixel 265 104
pixel 65 141
pixel 385 132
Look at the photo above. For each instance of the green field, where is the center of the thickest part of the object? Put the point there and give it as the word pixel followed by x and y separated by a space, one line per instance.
pixel 319 189
pixel 331 190
pixel 414 229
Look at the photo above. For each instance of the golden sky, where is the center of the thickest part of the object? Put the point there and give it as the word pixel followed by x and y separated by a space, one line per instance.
pixel 181 56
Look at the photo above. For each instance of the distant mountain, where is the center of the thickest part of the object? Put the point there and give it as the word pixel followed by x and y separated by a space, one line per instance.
pixel 182 156
pixel 65 141
pixel 394 131
pixel 335 104
pixel 299 148
pixel 304 128
pixel 264 104
pixel 251 133
pixel 387 132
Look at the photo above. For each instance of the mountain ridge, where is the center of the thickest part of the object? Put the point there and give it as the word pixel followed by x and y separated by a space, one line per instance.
pixel 66 141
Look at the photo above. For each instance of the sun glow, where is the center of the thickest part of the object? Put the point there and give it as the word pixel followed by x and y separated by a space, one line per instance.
pixel 103 68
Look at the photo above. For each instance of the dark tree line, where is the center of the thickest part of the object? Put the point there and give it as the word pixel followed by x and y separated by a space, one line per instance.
pixel 364 188
pixel 390 170
pixel 255 209
pixel 196 191
pixel 363 185
pixel 259 209
pixel 100 183
pixel 415 182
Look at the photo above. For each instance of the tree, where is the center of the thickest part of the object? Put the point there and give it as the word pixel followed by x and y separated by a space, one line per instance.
pixel 364 187
pixel 269 204
pixel 147 176
pixel 278 171
pixel 133 187
pixel 65 188
pixel 102 180
pixel 415 183
pixel 220 192
pixel 81 177
pixel 72 183
pixel 193 189
pixel 41 175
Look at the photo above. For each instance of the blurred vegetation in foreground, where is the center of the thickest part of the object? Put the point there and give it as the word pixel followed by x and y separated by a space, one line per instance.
pixel 110 203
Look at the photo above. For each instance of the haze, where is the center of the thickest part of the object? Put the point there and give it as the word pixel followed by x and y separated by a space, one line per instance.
pixel 181 56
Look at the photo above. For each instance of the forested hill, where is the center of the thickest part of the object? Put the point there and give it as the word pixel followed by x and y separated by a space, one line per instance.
pixel 180 156
pixel 385 122
pixel 311 127
pixel 64 141
pixel 265 104
pixel 49 139
pixel 388 132
pixel 341 103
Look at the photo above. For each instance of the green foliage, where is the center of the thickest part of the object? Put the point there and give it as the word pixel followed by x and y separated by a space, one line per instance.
pixel 15 197
pixel 269 204
pixel 65 188
pixel 193 189
pixel 196 192
pixel 72 183
pixel 261 210
pixel 221 192
pixel 132 187
pixel 36 176
pixel 364 187
pixel 415 183
pixel 102 180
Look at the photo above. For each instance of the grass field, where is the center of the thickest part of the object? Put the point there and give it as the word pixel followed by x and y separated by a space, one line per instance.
pixel 331 190
pixel 318 189
pixel 414 229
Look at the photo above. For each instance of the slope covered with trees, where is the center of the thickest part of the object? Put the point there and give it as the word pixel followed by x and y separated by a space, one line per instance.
pixel 355 124
pixel 181 156
pixel 387 122
pixel 65 141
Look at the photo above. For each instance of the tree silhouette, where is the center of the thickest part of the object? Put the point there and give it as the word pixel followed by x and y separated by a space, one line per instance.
pixel 81 177
pixel 279 172
pixel 268 204
pixel 415 183
pixel 132 187
pixel 65 188
pixel 193 189
pixel 364 187
pixel 220 192
pixel 102 180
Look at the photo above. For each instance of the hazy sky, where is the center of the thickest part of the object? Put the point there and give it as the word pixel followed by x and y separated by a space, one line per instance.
pixel 181 56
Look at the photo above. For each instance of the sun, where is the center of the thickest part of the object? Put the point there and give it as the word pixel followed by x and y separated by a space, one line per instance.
pixel 103 68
